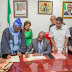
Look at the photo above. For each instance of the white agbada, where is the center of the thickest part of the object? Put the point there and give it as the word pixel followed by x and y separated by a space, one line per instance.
pixel 59 36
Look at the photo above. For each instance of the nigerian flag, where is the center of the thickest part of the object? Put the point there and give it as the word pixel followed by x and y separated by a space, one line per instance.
pixel 9 12
pixel 65 6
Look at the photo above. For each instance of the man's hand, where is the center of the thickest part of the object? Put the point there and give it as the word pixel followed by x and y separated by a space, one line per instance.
pixel 55 50
pixel 8 56
pixel 70 49
pixel 36 54
pixel 64 52
pixel 27 55
pixel 20 54
pixel 2 60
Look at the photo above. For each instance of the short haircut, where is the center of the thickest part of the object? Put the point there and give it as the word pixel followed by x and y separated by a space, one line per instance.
pixel 59 19
pixel 27 22
pixel 53 16
pixel 68 5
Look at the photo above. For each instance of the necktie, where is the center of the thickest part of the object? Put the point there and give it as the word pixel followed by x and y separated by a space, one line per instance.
pixel 40 48
pixel 69 13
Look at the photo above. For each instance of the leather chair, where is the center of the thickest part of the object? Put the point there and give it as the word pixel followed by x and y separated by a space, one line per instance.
pixel 47 37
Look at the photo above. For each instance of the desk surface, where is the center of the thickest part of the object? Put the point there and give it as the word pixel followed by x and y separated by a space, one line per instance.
pixel 43 65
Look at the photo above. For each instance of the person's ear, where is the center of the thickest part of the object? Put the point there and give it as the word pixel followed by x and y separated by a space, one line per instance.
pixel 13 25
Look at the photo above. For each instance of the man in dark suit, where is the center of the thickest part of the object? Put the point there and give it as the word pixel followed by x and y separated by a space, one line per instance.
pixel 40 45
pixel 68 12
pixel 70 41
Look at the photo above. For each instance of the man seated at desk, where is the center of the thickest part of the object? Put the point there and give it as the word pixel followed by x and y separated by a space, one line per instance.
pixel 40 45
pixel 59 34
pixel 13 40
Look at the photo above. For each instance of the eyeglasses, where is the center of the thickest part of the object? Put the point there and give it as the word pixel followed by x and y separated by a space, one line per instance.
pixel 69 7
pixel 40 38
pixel 58 23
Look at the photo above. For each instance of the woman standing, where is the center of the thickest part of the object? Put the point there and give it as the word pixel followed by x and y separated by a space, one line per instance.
pixel 28 33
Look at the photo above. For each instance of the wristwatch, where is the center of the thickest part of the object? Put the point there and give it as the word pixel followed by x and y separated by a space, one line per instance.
pixel 64 48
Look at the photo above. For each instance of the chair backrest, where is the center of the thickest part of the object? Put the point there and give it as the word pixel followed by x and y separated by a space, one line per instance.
pixel 47 37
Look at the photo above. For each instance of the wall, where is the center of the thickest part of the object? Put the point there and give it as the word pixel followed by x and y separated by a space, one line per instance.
pixel 39 22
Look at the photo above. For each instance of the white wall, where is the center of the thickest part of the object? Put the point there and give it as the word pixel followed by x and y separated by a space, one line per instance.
pixel 3 16
pixel 39 22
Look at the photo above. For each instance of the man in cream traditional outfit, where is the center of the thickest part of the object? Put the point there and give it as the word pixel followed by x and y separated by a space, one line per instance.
pixel 59 34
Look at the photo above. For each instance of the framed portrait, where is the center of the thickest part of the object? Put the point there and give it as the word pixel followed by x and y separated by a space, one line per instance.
pixel 67 10
pixel 20 8
pixel 45 7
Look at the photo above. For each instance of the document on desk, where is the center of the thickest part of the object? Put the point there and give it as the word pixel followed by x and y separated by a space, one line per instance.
pixel 33 58
pixel 59 56
pixel 14 59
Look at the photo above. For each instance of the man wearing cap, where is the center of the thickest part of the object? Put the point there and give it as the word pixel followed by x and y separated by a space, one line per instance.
pixel 13 40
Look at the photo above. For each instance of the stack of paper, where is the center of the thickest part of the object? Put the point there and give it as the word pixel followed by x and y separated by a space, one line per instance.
pixel 14 59
pixel 33 58
pixel 59 56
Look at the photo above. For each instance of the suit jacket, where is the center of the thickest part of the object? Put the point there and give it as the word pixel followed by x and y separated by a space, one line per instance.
pixel 70 38
pixel 46 49
pixel 66 13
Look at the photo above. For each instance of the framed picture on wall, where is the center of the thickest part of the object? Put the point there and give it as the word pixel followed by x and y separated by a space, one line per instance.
pixel 45 7
pixel 67 10
pixel 20 8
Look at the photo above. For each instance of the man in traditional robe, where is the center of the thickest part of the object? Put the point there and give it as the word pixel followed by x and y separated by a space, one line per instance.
pixel 13 40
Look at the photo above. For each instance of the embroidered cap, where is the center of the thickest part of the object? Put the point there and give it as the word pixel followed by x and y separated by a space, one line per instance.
pixel 17 22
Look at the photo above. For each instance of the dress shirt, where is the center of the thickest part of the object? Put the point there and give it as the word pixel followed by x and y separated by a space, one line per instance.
pixel 59 36
pixel 40 44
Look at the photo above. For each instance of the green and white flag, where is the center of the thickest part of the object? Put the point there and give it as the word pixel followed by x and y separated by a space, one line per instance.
pixel 64 6
pixel 9 12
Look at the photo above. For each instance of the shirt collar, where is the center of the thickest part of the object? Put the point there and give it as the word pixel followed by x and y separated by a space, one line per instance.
pixel 13 30
pixel 60 28
pixel 69 12
pixel 41 41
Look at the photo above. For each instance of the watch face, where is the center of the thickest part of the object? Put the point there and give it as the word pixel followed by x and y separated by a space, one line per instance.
pixel 64 48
